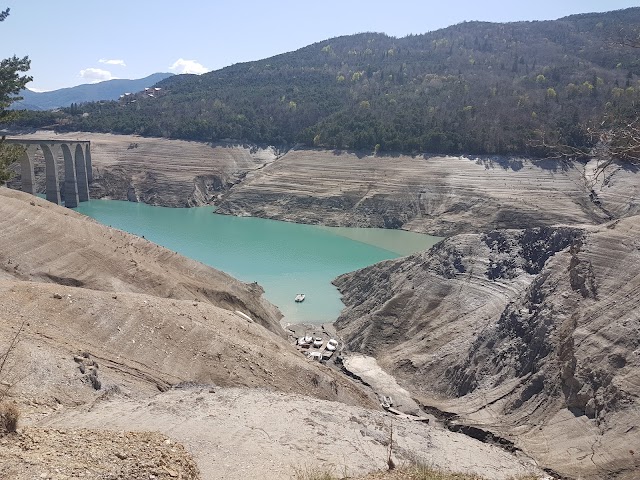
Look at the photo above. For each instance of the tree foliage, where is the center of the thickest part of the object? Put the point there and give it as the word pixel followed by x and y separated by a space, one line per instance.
pixel 475 87
pixel 11 83
pixel 614 136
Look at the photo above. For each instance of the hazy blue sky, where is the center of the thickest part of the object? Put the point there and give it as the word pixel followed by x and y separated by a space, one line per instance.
pixel 74 42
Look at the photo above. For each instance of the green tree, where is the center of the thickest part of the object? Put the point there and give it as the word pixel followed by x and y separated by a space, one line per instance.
pixel 11 83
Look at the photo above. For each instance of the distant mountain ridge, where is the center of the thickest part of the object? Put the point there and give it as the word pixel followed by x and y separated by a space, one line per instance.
pixel 92 92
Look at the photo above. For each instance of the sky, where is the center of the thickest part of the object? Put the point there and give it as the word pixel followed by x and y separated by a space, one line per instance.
pixel 72 42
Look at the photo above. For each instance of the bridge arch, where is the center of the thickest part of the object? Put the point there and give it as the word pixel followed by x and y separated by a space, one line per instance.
pixel 76 156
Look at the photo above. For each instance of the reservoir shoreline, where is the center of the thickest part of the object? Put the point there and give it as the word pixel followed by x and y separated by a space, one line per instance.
pixel 285 258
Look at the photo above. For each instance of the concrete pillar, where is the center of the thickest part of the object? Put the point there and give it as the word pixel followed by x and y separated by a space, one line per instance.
pixel 51 170
pixel 81 174
pixel 70 184
pixel 87 157
pixel 26 173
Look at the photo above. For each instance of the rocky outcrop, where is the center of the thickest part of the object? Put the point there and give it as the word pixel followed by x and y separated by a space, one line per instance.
pixel 533 334
pixel 437 195
pixel 157 171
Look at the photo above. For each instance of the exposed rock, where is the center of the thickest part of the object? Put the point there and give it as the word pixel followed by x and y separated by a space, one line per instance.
pixel 253 433
pixel 37 453
pixel 437 195
pixel 172 173
pixel 532 334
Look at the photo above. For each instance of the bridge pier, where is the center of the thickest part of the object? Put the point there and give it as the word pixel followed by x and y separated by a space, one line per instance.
pixel 27 174
pixel 81 174
pixel 87 158
pixel 51 169
pixel 77 168
pixel 70 179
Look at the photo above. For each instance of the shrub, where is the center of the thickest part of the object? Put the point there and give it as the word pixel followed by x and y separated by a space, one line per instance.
pixel 9 415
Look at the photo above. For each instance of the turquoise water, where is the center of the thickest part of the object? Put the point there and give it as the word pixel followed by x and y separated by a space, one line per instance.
pixel 284 258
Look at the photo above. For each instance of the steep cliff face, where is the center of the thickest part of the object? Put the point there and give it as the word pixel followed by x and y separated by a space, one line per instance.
pixel 534 334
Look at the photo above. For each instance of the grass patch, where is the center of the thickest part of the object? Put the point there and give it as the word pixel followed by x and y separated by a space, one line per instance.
pixel 313 473
pixel 425 472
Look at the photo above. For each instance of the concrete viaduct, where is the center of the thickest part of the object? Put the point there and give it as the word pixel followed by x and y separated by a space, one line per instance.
pixel 76 155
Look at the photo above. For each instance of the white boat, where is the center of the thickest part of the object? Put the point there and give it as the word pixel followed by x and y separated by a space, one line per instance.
pixel 332 345
pixel 299 297
pixel 317 356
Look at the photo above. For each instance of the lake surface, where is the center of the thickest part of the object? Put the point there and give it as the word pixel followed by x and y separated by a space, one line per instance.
pixel 284 258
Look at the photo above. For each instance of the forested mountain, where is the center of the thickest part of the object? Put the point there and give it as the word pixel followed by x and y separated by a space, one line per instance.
pixel 91 92
pixel 475 87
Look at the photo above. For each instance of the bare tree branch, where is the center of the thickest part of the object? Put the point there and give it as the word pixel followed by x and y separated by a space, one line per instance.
pixel 5 356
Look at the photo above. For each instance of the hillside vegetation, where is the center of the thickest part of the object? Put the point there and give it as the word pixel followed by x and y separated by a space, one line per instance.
pixel 475 87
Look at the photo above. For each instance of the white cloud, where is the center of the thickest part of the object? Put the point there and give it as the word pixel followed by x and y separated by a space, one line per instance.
pixel 188 66
pixel 113 62
pixel 94 75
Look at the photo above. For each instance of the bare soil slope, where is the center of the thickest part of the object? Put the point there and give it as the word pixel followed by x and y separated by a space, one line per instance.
pixel 532 334
pixel 253 433
pixel 46 243
pixel 111 347
pixel 68 454
pixel 147 317
pixel 437 195
pixel 157 171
